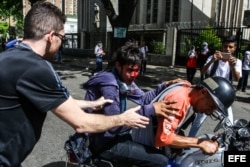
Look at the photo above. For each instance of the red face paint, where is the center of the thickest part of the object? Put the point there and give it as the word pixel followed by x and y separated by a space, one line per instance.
pixel 134 73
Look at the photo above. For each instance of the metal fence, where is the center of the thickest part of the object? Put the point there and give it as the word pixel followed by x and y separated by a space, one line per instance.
pixel 185 37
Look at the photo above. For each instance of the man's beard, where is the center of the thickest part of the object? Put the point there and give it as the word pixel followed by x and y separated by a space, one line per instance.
pixel 50 56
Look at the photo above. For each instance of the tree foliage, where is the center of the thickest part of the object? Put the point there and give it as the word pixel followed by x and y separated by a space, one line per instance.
pixel 157 47
pixel 207 35
pixel 4 28
pixel 11 8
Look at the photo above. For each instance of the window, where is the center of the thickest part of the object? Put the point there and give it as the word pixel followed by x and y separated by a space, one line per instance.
pixel 176 11
pixel 148 11
pixel 167 11
pixel 155 11
pixel 152 11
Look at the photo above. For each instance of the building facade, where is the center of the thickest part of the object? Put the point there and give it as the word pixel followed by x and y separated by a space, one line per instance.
pixel 153 20
pixel 158 20
pixel 69 7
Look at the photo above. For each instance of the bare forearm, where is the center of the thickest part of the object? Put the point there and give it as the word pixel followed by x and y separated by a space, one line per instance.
pixel 236 74
pixel 206 145
pixel 205 67
pixel 81 121
pixel 184 142
pixel 85 104
pixel 94 123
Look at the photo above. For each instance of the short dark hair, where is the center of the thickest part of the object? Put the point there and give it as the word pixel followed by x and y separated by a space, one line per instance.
pixel 129 53
pixel 42 18
pixel 230 39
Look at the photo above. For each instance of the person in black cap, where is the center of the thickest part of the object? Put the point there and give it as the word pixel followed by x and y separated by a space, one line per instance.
pixel 202 57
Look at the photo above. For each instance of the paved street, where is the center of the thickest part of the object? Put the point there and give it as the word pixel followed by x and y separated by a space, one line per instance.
pixel 49 152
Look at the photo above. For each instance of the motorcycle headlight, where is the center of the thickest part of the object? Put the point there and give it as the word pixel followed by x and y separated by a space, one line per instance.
pixel 244 132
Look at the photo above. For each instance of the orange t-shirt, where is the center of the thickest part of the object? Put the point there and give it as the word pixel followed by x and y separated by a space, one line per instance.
pixel 165 129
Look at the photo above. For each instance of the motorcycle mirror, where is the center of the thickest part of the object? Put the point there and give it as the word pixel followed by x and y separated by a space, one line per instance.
pixel 244 132
pixel 240 123
pixel 224 123
pixel 218 126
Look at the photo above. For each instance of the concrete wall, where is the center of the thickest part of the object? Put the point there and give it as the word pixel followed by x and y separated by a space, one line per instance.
pixel 159 60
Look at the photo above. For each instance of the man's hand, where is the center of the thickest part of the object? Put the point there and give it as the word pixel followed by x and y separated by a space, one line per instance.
pixel 94 105
pixel 100 102
pixel 232 61
pixel 133 119
pixel 166 109
pixel 216 56
pixel 208 146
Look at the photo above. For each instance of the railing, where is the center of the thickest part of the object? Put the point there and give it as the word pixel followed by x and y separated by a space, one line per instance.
pixel 241 34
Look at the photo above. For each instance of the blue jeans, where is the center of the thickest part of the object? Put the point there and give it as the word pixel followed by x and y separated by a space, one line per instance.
pixel 242 84
pixel 59 56
pixel 129 152
pixel 98 67
pixel 190 74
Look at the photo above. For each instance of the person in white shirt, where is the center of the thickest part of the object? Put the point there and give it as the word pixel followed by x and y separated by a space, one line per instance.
pixel 219 64
pixel 144 51
pixel 191 64
pixel 99 53
pixel 242 84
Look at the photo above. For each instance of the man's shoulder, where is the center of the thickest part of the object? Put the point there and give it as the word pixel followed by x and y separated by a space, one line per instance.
pixel 106 74
pixel 103 79
pixel 239 60
pixel 97 47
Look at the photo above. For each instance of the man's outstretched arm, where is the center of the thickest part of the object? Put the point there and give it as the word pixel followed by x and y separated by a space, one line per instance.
pixel 71 113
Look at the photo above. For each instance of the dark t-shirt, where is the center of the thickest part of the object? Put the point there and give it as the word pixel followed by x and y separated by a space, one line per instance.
pixel 29 87
pixel 202 58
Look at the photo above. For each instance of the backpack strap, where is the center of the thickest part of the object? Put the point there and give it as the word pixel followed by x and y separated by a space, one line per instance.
pixel 122 88
pixel 77 147
pixel 163 93
pixel 184 123
pixel 214 68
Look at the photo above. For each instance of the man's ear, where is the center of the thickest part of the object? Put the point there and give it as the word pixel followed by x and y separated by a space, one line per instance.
pixel 117 66
pixel 49 36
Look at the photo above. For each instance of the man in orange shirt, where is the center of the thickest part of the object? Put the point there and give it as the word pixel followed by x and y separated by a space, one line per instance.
pixel 214 93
